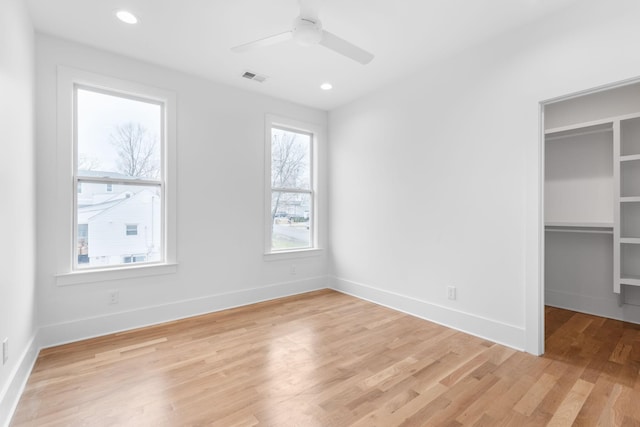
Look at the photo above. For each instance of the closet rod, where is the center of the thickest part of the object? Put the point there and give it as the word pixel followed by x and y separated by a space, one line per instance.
pixel 578 230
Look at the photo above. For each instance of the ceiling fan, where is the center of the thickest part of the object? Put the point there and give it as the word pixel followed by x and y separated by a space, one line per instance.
pixel 307 31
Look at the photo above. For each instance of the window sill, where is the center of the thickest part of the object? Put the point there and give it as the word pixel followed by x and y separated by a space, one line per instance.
pixel 300 253
pixel 91 276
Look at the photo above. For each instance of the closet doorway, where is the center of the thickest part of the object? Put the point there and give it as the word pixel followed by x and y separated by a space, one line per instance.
pixel 592 202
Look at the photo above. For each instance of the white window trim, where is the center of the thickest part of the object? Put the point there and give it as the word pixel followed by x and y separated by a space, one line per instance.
pixel 317 133
pixel 68 78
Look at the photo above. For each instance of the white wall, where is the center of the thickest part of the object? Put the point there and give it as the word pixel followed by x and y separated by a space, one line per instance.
pixel 450 157
pixel 579 179
pixel 594 106
pixel 220 204
pixel 17 209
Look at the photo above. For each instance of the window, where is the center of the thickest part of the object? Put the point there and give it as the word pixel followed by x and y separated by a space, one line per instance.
pixel 132 230
pixel 134 258
pixel 117 145
pixel 291 194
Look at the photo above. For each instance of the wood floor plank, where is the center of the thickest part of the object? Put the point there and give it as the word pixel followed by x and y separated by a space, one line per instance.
pixel 608 416
pixel 571 405
pixel 328 359
pixel 536 393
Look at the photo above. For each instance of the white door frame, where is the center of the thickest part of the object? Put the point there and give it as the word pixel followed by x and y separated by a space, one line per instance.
pixel 534 306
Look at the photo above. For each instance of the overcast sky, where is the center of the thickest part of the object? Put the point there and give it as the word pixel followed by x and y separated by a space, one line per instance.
pixel 99 115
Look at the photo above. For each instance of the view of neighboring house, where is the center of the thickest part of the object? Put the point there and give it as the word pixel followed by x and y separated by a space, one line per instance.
pixel 294 208
pixel 117 224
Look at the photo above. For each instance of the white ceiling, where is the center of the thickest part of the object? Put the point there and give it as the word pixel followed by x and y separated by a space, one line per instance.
pixel 195 36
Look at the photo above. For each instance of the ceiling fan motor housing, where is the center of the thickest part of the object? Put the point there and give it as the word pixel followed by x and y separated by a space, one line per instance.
pixel 307 32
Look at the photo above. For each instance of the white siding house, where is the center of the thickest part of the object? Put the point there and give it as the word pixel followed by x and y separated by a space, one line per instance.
pixel 118 224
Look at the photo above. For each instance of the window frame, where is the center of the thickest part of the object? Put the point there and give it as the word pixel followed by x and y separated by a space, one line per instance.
pixel 68 273
pixel 316 134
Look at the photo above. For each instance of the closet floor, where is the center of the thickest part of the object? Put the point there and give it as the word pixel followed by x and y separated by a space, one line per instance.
pixel 598 359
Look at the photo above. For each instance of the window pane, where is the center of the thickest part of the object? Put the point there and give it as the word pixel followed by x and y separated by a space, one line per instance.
pixel 132 230
pixel 290 159
pixel 118 137
pixel 118 227
pixel 291 220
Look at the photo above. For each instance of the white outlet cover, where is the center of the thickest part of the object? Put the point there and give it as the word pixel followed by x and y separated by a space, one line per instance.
pixel 114 297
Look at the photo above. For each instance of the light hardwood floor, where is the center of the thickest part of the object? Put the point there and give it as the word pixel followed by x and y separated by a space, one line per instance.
pixel 328 359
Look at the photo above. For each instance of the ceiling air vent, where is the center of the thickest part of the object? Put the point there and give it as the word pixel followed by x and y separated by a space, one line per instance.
pixel 253 76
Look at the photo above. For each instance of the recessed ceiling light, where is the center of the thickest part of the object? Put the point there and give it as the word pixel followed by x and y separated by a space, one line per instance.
pixel 126 17
pixel 326 86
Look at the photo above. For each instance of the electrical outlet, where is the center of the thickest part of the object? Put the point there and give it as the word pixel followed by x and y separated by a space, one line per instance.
pixel 114 296
pixel 5 350
pixel 292 270
pixel 451 292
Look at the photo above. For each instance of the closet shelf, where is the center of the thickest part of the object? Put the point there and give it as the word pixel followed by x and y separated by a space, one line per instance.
pixel 630 280
pixel 630 240
pixel 630 158
pixel 581 129
pixel 630 199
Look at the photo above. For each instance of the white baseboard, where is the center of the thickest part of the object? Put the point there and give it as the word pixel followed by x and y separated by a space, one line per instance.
pixel 603 307
pixel 61 333
pixel 10 395
pixel 509 335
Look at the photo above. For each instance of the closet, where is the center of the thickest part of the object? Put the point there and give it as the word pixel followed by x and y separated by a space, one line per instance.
pixel 592 203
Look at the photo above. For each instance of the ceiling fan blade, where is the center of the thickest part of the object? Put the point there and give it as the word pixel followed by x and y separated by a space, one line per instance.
pixel 267 41
pixel 345 48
